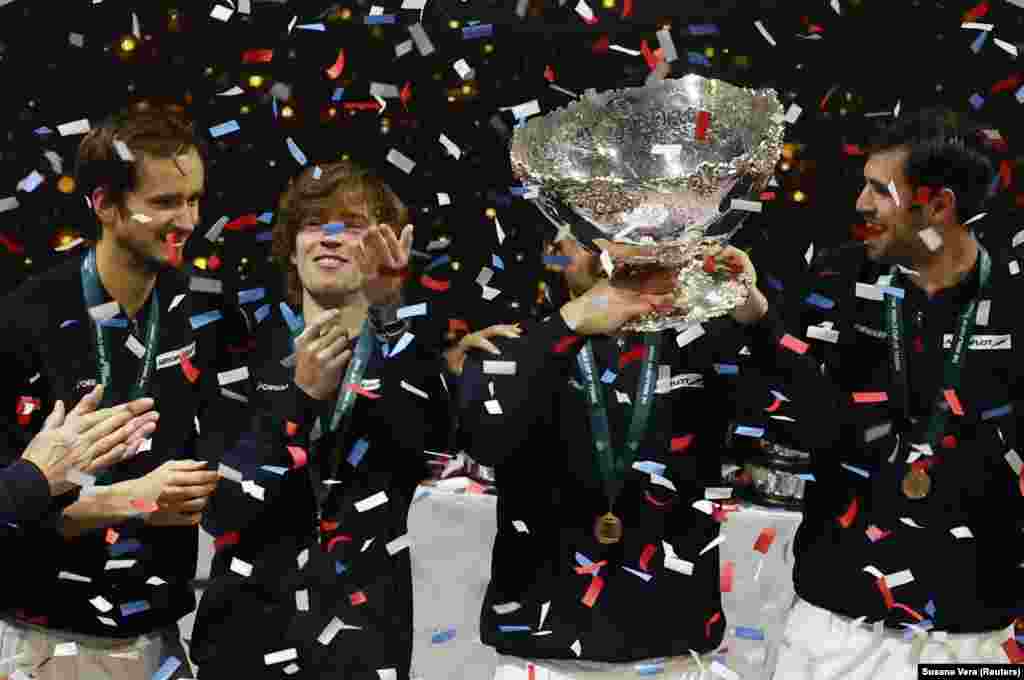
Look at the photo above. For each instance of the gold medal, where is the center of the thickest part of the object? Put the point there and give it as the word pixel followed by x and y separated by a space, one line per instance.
pixel 608 529
pixel 916 484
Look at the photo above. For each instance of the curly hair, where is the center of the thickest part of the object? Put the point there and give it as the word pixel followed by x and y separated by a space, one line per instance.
pixel 307 197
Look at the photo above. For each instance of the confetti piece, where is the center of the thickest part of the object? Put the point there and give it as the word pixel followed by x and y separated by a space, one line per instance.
pixel 76 127
pixel 280 657
pixel 422 41
pixel 200 320
pixel 513 629
pixel 745 431
pixel 715 618
pixel 361 391
pixel 135 607
pixel 726 369
pixel 794 344
pixel 727 574
pixel 745 205
pixel 690 334
pixel 712 545
pixel 764 33
pixel 953 401
pixel 703 123
pixel 593 591
pixel 848 517
pixel 357 598
pixel 224 129
pixel 371 502
pixel 819 301
pixel 765 540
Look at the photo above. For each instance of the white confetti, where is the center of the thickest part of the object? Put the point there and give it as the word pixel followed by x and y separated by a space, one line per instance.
pixel 823 334
pixel 142 218
pixel 809 254
pixel 101 604
pixel 280 657
pixel 899 578
pixel 463 68
pixel 222 13
pixel 713 544
pixel 871 569
pixel 214 233
pixel 961 532
pixel 422 40
pixel 330 631
pixel 231 92
pixel 443 199
pixel 303 558
pixel 31 182
pixel 401 543
pixel 134 346
pixel 576 648
pixel 105 312
pixel 521 527
pixel 869 292
pixel 176 301
pixel 69 576
pixel 625 50
pixel 1008 47
pixel 76 39
pixel 415 390
pixel 499 367
pixel 1014 267
pixel 233 376
pixel 450 146
pixel 490 293
pixel 544 608
pixel 371 502
pixel 241 567
pixel 526 109
pixel 403 48
pixel 401 161
pixel 493 407
pixel 500 232
pixel 506 608
pixel 705 506
pixel 606 263
pixel 690 334
pixel 65 649
pixel 764 32
pixel 745 205
pixel 984 310
pixel 668 47
pixel 932 239
pixel 583 9
pixel 119 564
pixel 385 90
pixel 204 284
pixel 1013 459
pixel 76 127
pixel 302 600
pixel 910 523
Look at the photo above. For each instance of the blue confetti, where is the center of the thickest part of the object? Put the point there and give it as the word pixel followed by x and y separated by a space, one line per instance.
pixel 649 467
pixel 702 29
pixel 129 608
pixel 496 261
pixel 264 236
pixel 807 477
pixel 582 560
pixel 124 547
pixel 481 31
pixel 358 451
pixel 696 58
pixel 380 19
pixel 171 664
pixel 312 27
pixel 863 473
pixel 294 323
pixel 997 412
pixel 930 608
pixel 251 295
pixel 518 191
pixel 749 633
pixel 513 629
pixel 333 228
pixel 262 313
pixel 339 92
pixel 115 323
pixel 609 376
pixel 224 128
pixel 746 431
pixel 273 106
pixel 69 322
pixel 773 282
pixel 266 218
pixel 993 187
pixel 442 636
pixel 200 320
pixel 438 261
pixel 43 131
pixel 296 152
pixel 895 292
pixel 727 369
pixel 403 342
pixel 976 101
pixel 280 471
pixel 339 568
pixel 650 669
pixel 819 301
pixel 979 42
pixel 558 260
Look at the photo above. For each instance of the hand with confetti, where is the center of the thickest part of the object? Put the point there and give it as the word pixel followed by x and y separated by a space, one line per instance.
pixel 737 261
pixel 456 356
pixel 321 356
pixel 607 306
pixel 383 259
pixel 89 441
pixel 180 490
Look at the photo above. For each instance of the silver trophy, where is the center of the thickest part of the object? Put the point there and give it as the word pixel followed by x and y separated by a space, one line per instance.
pixel 673 168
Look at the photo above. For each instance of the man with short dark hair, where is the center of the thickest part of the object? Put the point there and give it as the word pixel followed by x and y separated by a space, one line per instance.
pixel 99 592
pixel 905 551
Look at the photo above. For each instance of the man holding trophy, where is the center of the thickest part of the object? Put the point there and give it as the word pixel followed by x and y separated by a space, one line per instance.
pixel 604 426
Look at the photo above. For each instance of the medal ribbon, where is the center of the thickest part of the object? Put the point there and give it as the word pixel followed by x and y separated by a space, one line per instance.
pixel 952 367
pixel 612 465
pixel 93 293
pixel 347 397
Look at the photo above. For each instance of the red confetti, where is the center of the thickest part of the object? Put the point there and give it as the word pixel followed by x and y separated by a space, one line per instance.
pixel 257 56
pixel 327 526
pixel 953 401
pixel 23 410
pixel 853 150
pixel 913 614
pixel 649 57
pixel 1010 83
pixel 775 406
pixel 224 540
pixel 680 444
pixel 923 196
pixel 434 284
pixel 601 46
pixel 710 622
pixel 340 538
pixel 592 568
pixel 632 355
pixel 593 591
pixel 709 265
pixel 794 344
pixel 361 106
pixel 646 555
pixel 703 121
pixel 850 515
pixel 352 387
pixel 143 505
pixel 357 598
pixel 828 95
pixel 339 65
pixel 949 442
pixel 765 540
pixel 918 345
pixel 549 74
pixel 870 397
pixel 13 246
pixel 240 223
pixel 563 345
pixel 1005 174
pixel 112 536
pixel 190 371
pixel 976 12
pixel 406 94
pixel 299 457
pixel 290 428
pixel 654 501
pixel 883 588
pixel 627 8
pixel 875 534
pixel 767 196
pixel 726 576
pixel 456 325
pixel 1013 651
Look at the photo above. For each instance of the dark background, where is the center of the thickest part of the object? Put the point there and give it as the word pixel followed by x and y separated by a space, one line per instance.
pixel 865 59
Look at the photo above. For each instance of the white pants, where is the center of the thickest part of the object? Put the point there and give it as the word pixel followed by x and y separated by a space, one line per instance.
pixel 675 668
pixel 30 650
pixel 820 645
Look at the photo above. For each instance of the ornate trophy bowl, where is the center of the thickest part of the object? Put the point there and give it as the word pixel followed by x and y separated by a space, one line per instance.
pixel 676 165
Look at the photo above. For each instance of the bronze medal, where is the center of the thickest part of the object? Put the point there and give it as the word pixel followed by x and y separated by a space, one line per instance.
pixel 608 529
pixel 916 484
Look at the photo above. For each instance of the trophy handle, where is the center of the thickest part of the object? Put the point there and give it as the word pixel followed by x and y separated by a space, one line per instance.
pixel 559 217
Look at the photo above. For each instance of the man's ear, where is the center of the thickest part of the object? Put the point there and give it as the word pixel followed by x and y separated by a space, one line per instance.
pixel 945 207
pixel 103 205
